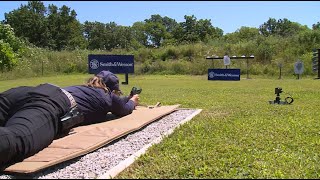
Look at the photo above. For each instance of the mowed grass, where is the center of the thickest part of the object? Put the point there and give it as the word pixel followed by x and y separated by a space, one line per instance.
pixel 237 135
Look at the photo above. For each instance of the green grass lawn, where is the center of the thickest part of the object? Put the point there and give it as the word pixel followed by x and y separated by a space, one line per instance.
pixel 237 135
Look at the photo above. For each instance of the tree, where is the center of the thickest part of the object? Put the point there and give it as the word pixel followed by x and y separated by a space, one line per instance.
pixel 309 39
pixel 156 33
pixel 268 28
pixel 124 37
pixel 316 26
pixel 282 27
pixel 65 29
pixel 286 28
pixel 94 33
pixel 139 34
pixel 265 48
pixel 244 34
pixel 192 30
pixel 158 29
pixel 29 22
pixel 47 27
pixel 107 36
pixel 205 29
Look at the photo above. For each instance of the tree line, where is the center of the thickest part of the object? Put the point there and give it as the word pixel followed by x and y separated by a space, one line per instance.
pixel 57 28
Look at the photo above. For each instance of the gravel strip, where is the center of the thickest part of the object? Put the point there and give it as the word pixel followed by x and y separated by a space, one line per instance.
pixel 97 163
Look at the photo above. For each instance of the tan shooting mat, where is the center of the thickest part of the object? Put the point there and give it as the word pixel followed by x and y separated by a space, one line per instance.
pixel 85 139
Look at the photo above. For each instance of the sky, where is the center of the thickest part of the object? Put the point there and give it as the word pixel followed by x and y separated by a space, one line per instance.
pixel 226 15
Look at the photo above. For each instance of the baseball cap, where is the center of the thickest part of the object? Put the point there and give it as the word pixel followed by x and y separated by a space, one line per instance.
pixel 110 79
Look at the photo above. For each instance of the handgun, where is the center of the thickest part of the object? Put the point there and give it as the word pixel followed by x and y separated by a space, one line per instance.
pixel 135 90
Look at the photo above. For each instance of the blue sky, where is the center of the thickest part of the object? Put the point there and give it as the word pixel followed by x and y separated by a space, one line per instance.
pixel 227 15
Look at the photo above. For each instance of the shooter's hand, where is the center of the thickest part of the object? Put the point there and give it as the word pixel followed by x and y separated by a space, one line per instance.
pixel 135 98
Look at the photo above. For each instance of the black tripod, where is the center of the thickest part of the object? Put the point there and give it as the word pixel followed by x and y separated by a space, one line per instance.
pixel 277 100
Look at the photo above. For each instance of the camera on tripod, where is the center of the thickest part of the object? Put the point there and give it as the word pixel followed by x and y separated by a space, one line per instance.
pixel 278 91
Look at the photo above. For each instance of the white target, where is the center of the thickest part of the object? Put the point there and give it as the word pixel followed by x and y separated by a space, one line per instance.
pixel 226 60
pixel 298 67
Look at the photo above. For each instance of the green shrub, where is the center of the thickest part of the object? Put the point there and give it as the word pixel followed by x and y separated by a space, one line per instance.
pixel 7 56
pixel 142 55
pixel 178 67
pixel 172 53
pixel 11 48
pixel 180 59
